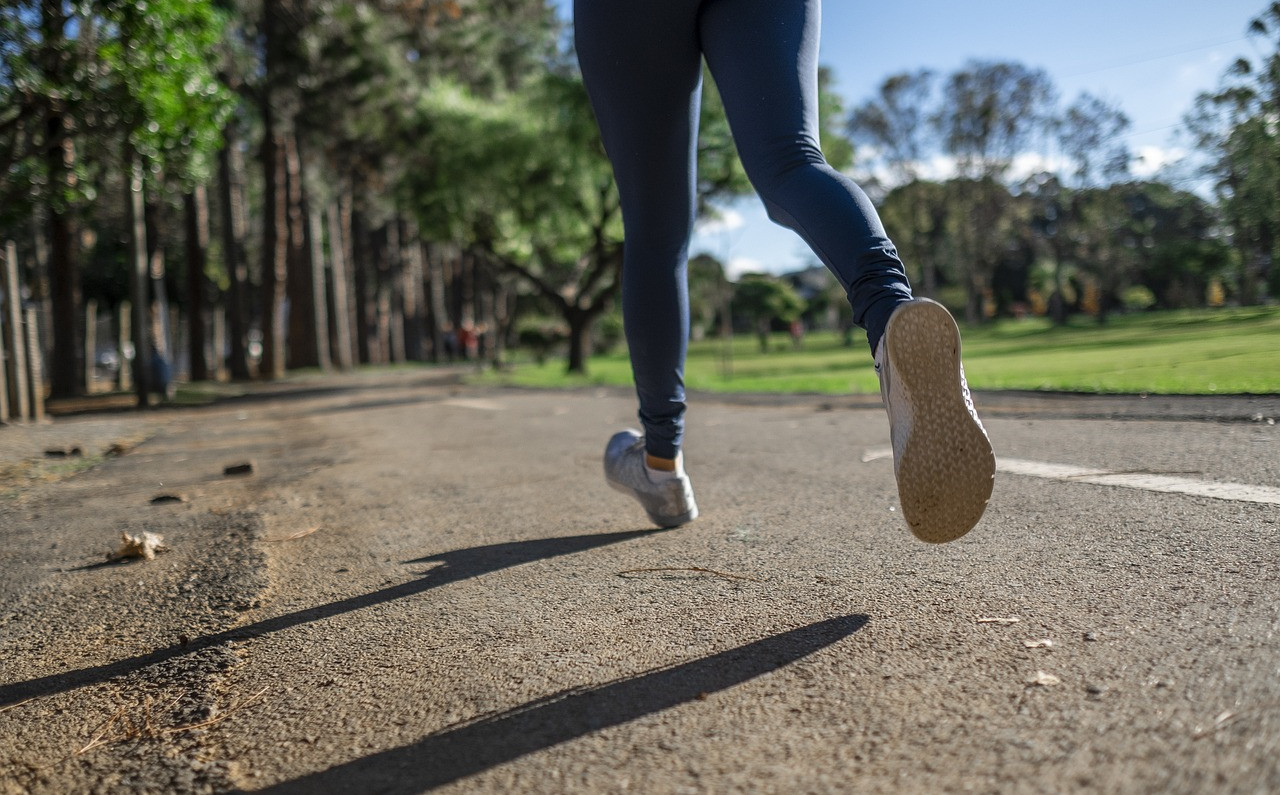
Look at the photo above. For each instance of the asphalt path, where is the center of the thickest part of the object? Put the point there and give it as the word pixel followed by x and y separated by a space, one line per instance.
pixel 424 587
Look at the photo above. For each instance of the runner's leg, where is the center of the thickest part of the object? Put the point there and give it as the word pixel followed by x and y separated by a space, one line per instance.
pixel 764 57
pixel 643 71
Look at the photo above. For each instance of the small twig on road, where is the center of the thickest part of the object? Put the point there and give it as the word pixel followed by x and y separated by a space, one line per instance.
pixel 211 721
pixel 1227 718
pixel 18 704
pixel 699 569
pixel 294 537
pixel 146 728
pixel 101 733
pixel 1010 620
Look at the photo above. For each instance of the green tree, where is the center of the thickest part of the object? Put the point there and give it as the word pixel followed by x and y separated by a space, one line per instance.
pixel 369 69
pixel 171 110
pixel 926 213
pixel 1090 135
pixel 1151 234
pixel 763 299
pixel 524 182
pixel 522 185
pixel 83 83
pixel 894 124
pixel 709 294
pixel 1237 128
pixel 990 114
pixel 894 127
pixel 45 100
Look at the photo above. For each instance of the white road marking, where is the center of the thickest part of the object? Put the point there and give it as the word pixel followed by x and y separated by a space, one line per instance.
pixel 479 404
pixel 876 453
pixel 1236 492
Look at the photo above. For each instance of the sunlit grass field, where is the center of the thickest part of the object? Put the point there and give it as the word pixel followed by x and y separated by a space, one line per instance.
pixel 1218 351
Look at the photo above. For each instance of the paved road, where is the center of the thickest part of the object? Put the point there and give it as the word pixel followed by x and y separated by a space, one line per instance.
pixel 427 587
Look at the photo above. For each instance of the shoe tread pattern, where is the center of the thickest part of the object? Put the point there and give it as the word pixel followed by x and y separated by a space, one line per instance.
pixel 946 469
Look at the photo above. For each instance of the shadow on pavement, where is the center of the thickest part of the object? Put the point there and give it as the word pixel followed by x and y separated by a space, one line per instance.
pixel 460 564
pixel 489 741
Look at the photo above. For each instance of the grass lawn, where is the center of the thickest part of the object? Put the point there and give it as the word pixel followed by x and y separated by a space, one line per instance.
pixel 1218 351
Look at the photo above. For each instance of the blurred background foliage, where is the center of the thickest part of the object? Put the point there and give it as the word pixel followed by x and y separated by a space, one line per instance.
pixel 333 183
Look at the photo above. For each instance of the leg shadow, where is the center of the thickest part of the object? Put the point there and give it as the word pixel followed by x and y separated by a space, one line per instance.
pixel 487 742
pixel 460 564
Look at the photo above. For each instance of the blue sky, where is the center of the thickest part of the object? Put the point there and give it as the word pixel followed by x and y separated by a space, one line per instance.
pixel 1150 58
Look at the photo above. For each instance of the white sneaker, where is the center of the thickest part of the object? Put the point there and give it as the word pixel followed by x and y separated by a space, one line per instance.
pixel 667 500
pixel 941 454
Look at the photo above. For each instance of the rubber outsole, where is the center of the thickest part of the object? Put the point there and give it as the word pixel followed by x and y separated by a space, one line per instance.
pixel 665 522
pixel 946 470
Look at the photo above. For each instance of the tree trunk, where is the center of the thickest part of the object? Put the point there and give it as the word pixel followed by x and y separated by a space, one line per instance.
pixel 319 301
pixel 233 257
pixel 1057 301
pixel 393 286
pixel 973 302
pixel 360 272
pixel 436 298
pixel 485 312
pixel 13 348
pixel 383 312
pixel 342 342
pixel 503 315
pixel 160 357
pixel 65 371
pixel 921 215
pixel 580 322
pixel 275 253
pixel 136 205
pixel 196 210
pixel 275 229
pixel 412 292
pixel 302 338
pixel 40 274
pixel 65 374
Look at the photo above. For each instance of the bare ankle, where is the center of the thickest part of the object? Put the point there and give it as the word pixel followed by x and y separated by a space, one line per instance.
pixel 660 464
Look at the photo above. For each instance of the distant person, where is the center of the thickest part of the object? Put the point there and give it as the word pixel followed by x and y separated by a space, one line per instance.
pixel 467 341
pixel 796 329
pixel 450 342
pixel 642 65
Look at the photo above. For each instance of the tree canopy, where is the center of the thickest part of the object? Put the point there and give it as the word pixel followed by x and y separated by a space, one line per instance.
pixel 401 179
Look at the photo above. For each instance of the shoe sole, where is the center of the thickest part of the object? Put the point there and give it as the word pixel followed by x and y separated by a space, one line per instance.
pixel 948 468
pixel 665 522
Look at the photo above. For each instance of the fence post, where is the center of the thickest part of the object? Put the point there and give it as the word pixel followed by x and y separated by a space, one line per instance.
pixel 124 340
pixel 4 380
pixel 21 409
pixel 90 343
pixel 219 343
pixel 36 365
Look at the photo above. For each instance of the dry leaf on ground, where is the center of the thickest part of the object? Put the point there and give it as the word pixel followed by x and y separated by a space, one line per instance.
pixel 144 545
pixel 1042 679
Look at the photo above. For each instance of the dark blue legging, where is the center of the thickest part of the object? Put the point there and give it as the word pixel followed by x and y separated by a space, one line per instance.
pixel 642 64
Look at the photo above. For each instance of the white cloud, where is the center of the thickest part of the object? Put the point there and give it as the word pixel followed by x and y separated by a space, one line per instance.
pixel 1150 159
pixel 938 168
pixel 727 220
pixel 740 265
pixel 1030 163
